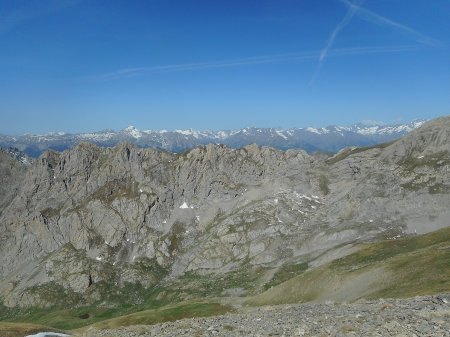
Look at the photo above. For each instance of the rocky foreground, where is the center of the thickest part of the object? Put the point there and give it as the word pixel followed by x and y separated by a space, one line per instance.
pixel 420 316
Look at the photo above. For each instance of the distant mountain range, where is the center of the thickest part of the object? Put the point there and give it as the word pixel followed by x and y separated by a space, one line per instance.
pixel 326 139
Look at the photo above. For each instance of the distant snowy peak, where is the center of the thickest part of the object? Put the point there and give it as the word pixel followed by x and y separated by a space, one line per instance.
pixel 320 131
pixel 133 132
pixel 388 129
pixel 192 133
pixel 362 129
pixel 101 136
pixel 18 155
pixel 376 129
pixel 311 139
pixel 59 133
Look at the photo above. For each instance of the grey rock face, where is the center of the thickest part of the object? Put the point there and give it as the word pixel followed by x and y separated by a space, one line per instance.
pixel 12 171
pixel 126 214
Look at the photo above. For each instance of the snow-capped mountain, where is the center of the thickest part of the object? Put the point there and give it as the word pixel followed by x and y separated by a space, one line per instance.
pixel 18 155
pixel 328 139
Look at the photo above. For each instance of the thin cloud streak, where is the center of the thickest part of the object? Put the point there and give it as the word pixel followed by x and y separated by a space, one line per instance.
pixel 299 56
pixel 131 72
pixel 370 16
pixel 344 22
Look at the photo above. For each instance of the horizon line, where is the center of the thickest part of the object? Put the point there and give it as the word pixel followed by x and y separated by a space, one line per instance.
pixel 367 123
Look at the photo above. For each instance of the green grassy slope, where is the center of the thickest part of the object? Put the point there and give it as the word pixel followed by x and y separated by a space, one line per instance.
pixel 396 268
pixel 169 313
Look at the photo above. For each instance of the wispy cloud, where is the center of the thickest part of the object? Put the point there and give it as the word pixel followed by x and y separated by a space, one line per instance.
pixel 370 16
pixel 298 56
pixel 344 22
pixel 131 72
pixel 355 8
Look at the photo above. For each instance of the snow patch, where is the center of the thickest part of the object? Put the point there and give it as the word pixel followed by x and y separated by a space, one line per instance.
pixel 193 133
pixel 302 196
pixel 99 136
pixel 368 131
pixel 279 133
pixel 45 334
pixel 184 205
pixel 313 130
pixel 222 135
pixel 133 132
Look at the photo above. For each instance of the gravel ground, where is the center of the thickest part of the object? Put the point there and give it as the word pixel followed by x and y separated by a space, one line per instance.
pixel 420 316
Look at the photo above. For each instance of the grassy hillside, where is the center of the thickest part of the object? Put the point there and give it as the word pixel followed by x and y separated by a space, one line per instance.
pixel 170 313
pixel 105 317
pixel 396 268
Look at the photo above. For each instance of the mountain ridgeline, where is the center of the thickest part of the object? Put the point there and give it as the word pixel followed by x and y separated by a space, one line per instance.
pixel 105 225
pixel 329 139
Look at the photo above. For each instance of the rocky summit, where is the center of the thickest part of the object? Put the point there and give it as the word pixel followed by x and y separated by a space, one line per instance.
pixel 108 226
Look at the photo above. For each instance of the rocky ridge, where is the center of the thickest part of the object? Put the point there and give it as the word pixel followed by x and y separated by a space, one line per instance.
pixel 88 219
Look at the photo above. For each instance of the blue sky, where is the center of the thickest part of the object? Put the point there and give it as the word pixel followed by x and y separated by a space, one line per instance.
pixel 76 66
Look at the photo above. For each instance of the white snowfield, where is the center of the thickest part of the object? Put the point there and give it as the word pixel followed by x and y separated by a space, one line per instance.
pixel 48 334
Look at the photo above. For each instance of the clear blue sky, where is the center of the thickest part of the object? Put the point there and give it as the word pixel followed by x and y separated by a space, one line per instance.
pixel 75 65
